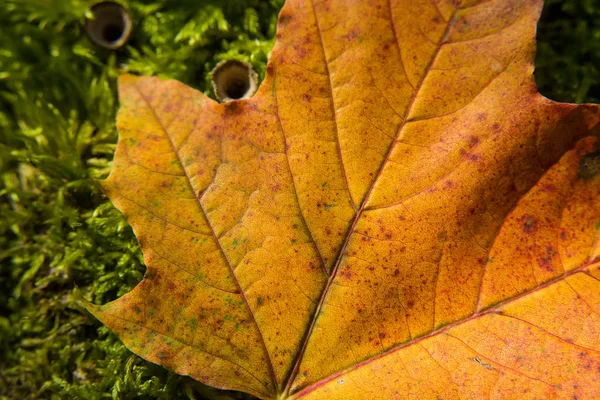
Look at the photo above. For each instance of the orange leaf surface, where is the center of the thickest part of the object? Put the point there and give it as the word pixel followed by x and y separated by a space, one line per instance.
pixel 397 213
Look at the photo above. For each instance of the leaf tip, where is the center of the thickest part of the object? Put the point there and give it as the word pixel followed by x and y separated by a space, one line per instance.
pixel 83 302
pixel 127 80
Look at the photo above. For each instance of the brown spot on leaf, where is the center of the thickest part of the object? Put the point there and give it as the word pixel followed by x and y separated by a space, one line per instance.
pixel 284 19
pixel 589 165
pixel 528 224
pixel 233 108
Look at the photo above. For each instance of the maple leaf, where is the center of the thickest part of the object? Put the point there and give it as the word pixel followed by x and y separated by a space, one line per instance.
pixel 397 213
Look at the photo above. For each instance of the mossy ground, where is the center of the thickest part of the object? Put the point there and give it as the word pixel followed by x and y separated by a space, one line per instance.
pixel 58 232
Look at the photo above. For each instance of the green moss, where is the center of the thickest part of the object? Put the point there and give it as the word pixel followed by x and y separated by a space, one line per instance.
pixel 57 136
pixel 58 231
pixel 568 60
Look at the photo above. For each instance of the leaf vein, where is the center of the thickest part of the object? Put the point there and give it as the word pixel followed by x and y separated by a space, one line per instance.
pixel 222 251
pixel 547 332
pixel 333 105
pixel 185 343
pixel 497 363
pixel 362 208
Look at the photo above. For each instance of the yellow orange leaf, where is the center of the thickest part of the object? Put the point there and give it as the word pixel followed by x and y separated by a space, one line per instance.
pixel 397 213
